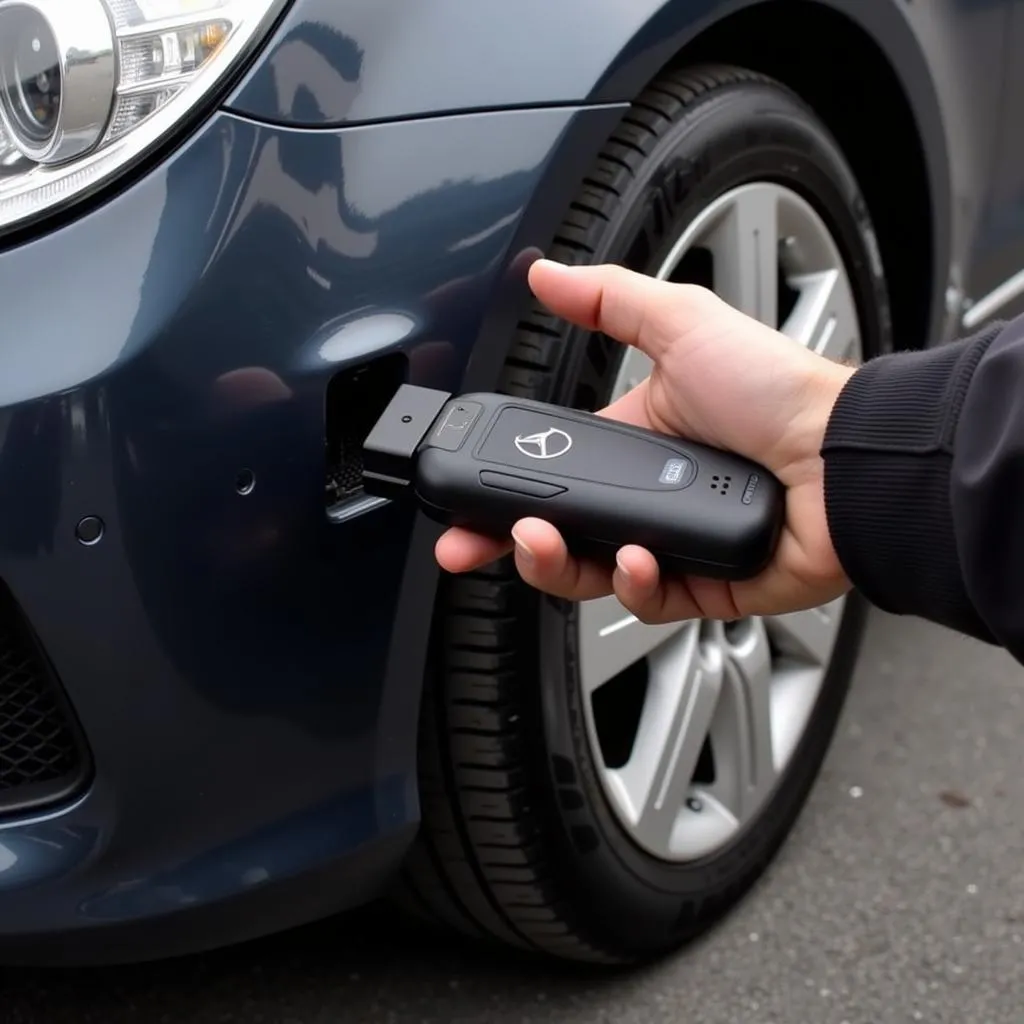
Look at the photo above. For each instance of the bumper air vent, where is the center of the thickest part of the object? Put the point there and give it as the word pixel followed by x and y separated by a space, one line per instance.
pixel 43 759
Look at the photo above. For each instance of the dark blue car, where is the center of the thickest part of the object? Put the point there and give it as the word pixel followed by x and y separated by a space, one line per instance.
pixel 236 693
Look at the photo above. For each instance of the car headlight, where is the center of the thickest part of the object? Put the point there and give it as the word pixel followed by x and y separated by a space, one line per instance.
pixel 88 86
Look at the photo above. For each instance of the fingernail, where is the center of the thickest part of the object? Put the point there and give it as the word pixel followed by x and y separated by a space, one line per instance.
pixel 622 567
pixel 522 549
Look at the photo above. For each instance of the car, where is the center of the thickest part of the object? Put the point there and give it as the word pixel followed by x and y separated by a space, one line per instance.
pixel 237 693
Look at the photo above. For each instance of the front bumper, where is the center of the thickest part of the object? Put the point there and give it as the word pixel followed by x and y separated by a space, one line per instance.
pixel 246 669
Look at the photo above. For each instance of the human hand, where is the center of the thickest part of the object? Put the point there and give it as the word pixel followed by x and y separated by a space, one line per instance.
pixel 720 378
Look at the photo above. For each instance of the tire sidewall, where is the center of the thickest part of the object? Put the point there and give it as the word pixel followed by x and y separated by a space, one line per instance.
pixel 740 134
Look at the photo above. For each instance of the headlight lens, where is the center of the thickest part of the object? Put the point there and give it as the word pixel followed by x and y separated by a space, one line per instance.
pixel 31 77
pixel 88 86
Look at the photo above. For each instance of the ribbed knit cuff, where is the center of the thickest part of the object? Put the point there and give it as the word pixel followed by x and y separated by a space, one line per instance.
pixel 887 454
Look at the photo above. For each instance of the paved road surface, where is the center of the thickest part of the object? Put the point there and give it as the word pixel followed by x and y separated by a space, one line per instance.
pixel 900 898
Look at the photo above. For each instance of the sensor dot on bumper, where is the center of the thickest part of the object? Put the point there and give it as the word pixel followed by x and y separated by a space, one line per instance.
pixel 90 530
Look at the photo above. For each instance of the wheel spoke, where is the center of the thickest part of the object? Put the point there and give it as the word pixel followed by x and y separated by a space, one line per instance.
pixel 611 639
pixel 824 318
pixel 809 635
pixel 743 739
pixel 685 684
pixel 744 243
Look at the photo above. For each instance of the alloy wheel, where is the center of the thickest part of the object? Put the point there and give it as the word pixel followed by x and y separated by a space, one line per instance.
pixel 692 724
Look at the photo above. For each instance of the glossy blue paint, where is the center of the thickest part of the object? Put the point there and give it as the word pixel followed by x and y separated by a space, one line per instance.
pixel 371 60
pixel 247 668
pixel 227 655
pixel 42 850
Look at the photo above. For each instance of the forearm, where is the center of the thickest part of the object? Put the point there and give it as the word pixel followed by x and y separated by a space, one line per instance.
pixel 922 489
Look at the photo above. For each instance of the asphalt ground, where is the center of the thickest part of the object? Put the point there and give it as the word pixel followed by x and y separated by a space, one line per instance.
pixel 899 898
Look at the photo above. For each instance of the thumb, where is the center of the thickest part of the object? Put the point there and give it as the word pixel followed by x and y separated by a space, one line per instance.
pixel 632 308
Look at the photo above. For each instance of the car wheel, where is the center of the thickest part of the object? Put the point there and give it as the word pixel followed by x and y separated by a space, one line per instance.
pixel 592 787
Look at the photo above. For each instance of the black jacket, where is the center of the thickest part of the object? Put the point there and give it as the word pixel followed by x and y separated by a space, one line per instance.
pixel 924 483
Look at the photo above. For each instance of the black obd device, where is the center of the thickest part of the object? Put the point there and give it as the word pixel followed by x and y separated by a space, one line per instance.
pixel 484 461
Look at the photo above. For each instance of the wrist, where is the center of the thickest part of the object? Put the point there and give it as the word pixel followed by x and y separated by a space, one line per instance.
pixel 822 389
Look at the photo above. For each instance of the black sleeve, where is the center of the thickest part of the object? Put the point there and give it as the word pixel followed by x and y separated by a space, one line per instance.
pixel 924 483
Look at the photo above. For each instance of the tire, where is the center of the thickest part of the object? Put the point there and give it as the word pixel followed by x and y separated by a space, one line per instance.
pixel 519 842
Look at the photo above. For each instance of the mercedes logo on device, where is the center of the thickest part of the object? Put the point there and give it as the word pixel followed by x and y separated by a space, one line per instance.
pixel 547 444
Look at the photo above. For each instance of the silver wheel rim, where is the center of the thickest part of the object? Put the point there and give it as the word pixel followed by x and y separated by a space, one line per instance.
pixel 724 706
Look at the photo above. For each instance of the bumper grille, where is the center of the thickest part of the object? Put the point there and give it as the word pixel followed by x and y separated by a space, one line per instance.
pixel 42 757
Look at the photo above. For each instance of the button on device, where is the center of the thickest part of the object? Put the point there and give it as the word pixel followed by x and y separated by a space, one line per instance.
pixel 520 485
pixel 678 471
pixel 455 425
pixel 748 491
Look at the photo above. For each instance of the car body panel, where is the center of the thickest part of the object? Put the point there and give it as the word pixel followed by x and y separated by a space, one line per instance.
pixel 248 667
pixel 228 655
